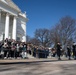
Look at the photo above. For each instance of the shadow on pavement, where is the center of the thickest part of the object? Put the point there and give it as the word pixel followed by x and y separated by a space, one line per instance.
pixel 30 62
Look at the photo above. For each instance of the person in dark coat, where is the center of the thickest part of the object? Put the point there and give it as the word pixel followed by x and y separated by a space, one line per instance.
pixel 74 50
pixel 59 51
pixel 69 51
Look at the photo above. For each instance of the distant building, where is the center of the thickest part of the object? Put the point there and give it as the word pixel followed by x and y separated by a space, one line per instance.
pixel 12 21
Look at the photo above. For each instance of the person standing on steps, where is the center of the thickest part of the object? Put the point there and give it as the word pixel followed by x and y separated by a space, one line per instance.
pixel 69 52
pixel 74 50
pixel 59 51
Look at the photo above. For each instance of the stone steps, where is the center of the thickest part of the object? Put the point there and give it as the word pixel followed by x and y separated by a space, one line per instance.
pixel 30 56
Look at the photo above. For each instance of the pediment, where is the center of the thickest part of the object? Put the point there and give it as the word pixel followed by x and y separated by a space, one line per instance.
pixel 4 1
pixel 11 4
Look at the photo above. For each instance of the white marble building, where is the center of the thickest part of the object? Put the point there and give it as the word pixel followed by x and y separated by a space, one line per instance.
pixel 12 21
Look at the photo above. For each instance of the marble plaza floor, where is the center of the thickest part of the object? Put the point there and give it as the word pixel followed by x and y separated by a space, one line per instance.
pixel 50 66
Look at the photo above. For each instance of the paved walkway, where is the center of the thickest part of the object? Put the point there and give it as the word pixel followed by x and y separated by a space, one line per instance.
pixel 38 67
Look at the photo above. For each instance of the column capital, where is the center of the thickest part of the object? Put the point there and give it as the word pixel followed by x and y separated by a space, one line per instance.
pixel 15 17
pixel 7 13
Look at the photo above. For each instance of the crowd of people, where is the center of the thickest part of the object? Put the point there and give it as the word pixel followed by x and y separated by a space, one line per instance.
pixel 38 51
pixel 10 48
pixel 71 51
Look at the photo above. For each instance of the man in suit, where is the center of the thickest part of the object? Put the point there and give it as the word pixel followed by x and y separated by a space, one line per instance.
pixel 69 51
pixel 74 50
pixel 59 51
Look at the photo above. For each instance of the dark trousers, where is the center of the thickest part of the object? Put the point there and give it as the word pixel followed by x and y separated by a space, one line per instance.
pixel 59 54
pixel 5 53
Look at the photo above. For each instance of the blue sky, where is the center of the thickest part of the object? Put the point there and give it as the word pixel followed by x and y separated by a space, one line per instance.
pixel 45 13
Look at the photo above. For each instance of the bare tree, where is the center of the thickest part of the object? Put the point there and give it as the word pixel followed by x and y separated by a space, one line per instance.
pixel 35 41
pixel 43 36
pixel 55 35
pixel 68 28
pixel 64 31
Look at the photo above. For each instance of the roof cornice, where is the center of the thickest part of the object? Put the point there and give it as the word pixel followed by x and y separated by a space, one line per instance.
pixel 11 4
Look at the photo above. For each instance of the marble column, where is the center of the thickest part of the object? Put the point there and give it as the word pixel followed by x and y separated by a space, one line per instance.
pixel 7 26
pixel 24 35
pixel 0 16
pixel 14 28
pixel 24 39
